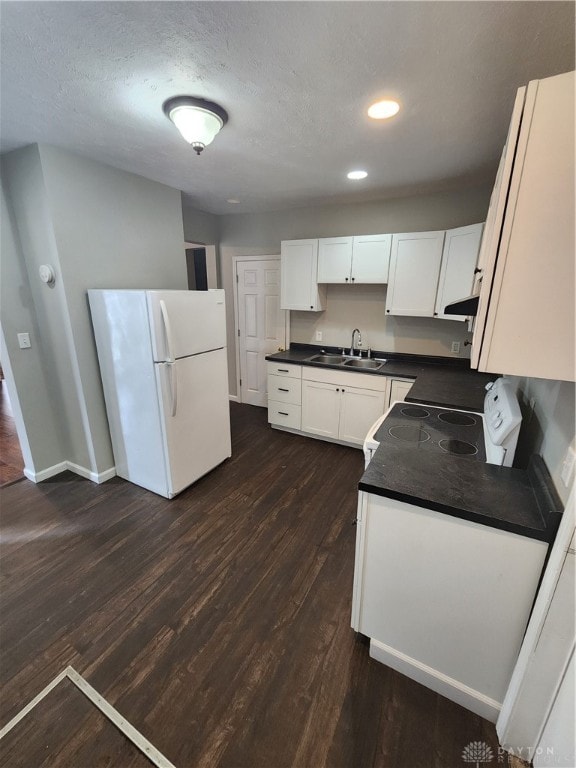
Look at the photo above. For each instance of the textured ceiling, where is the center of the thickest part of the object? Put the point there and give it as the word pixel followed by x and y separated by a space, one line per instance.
pixel 295 78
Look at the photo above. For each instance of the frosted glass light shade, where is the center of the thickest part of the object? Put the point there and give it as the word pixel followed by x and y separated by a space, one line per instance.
pixel 197 125
pixel 197 120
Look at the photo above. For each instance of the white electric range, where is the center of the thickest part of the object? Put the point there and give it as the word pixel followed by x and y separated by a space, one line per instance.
pixel 490 437
pixel 444 593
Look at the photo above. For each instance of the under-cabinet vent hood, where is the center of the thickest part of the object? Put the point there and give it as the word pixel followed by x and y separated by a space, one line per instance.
pixel 467 306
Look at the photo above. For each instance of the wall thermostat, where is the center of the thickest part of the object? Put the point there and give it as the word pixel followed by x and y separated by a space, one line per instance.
pixel 47 274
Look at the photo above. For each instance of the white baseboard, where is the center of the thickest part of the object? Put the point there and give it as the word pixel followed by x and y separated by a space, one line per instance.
pixel 437 681
pixel 44 474
pixel 56 469
pixel 234 398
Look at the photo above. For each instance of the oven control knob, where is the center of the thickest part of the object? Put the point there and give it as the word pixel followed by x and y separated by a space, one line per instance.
pixel 497 423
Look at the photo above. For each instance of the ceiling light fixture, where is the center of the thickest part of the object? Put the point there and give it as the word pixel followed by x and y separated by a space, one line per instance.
pixel 357 175
pixel 232 200
pixel 383 109
pixel 197 120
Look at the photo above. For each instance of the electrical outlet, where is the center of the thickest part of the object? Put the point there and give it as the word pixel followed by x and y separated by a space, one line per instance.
pixel 318 335
pixel 568 467
pixel 24 340
pixel 455 347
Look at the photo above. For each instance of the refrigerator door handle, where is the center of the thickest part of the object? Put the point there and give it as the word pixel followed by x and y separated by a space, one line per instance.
pixel 173 369
pixel 167 332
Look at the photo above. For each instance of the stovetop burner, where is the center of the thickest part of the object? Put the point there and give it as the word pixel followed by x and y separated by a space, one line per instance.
pixel 414 412
pixel 410 433
pixel 458 446
pixel 457 417
pixel 414 427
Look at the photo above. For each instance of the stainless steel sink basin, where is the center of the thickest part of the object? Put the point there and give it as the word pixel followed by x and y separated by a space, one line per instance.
pixel 363 363
pixel 327 358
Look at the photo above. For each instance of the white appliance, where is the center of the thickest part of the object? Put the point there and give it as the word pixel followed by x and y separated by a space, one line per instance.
pixel 500 423
pixel 163 366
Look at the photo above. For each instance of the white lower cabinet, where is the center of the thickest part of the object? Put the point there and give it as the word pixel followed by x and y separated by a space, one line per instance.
pixel 428 593
pixel 325 403
pixel 284 395
pixel 340 405
pixel 399 388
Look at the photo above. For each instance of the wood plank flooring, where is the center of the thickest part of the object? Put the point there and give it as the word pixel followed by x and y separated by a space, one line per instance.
pixel 217 623
pixel 11 461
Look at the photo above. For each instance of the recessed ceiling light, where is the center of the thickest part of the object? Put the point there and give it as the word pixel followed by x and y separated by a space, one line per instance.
pixel 357 175
pixel 383 109
pixel 232 200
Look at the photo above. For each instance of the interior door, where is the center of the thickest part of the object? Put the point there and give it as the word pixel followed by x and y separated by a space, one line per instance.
pixel 261 324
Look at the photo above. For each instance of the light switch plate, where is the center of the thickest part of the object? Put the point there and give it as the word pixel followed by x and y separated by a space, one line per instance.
pixel 24 340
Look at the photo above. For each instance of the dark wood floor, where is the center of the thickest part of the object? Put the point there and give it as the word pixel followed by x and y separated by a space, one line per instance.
pixel 11 461
pixel 217 623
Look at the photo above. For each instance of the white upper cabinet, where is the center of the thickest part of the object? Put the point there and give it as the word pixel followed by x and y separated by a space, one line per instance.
pixel 414 271
pixel 371 258
pixel 358 259
pixel 299 284
pixel 459 259
pixel 525 324
pixel 334 259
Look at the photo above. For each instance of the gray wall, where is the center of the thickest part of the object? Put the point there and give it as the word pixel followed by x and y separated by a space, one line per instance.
pixel 34 371
pixel 199 227
pixel 100 228
pixel 352 306
pixel 550 428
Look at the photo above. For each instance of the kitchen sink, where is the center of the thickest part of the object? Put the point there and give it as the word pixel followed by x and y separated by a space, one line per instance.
pixel 372 365
pixel 345 360
pixel 327 358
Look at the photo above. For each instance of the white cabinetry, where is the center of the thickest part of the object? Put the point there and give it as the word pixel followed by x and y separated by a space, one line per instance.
pixel 358 259
pixel 428 592
pixel 459 259
pixel 399 388
pixel 525 323
pixel 341 406
pixel 299 285
pixel 414 271
pixel 284 394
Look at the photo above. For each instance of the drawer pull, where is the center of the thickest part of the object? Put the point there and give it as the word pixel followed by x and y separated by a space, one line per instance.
pixel 281 389
pixel 283 370
pixel 282 413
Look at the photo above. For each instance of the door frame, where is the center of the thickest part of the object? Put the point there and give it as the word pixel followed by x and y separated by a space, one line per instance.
pixel 235 260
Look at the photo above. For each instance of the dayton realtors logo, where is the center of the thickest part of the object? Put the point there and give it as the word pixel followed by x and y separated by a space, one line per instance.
pixel 477 752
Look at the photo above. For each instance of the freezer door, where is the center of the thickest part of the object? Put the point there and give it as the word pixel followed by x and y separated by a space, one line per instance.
pixel 184 323
pixel 196 416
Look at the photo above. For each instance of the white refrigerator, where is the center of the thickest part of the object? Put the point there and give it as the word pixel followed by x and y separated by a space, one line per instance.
pixel 164 372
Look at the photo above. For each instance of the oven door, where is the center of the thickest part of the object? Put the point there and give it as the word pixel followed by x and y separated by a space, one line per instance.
pixel 370 442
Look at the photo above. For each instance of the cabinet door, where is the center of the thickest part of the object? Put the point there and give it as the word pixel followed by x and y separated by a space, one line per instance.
pixel 334 259
pixel 530 329
pixel 359 409
pixel 399 389
pixel 320 408
pixel 299 263
pixel 371 258
pixel 459 259
pixel 414 271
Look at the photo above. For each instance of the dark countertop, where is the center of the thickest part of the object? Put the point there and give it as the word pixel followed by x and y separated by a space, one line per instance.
pixel 443 381
pixel 515 500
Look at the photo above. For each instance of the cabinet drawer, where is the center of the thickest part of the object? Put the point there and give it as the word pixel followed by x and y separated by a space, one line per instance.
pixel 284 369
pixel 283 389
pixel 284 414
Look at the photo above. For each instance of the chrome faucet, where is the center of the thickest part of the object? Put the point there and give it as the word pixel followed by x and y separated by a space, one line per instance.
pixel 352 347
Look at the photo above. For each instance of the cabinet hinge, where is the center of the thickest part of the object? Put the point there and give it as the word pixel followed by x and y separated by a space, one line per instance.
pixel 240 382
pixel 237 277
pixel 238 331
